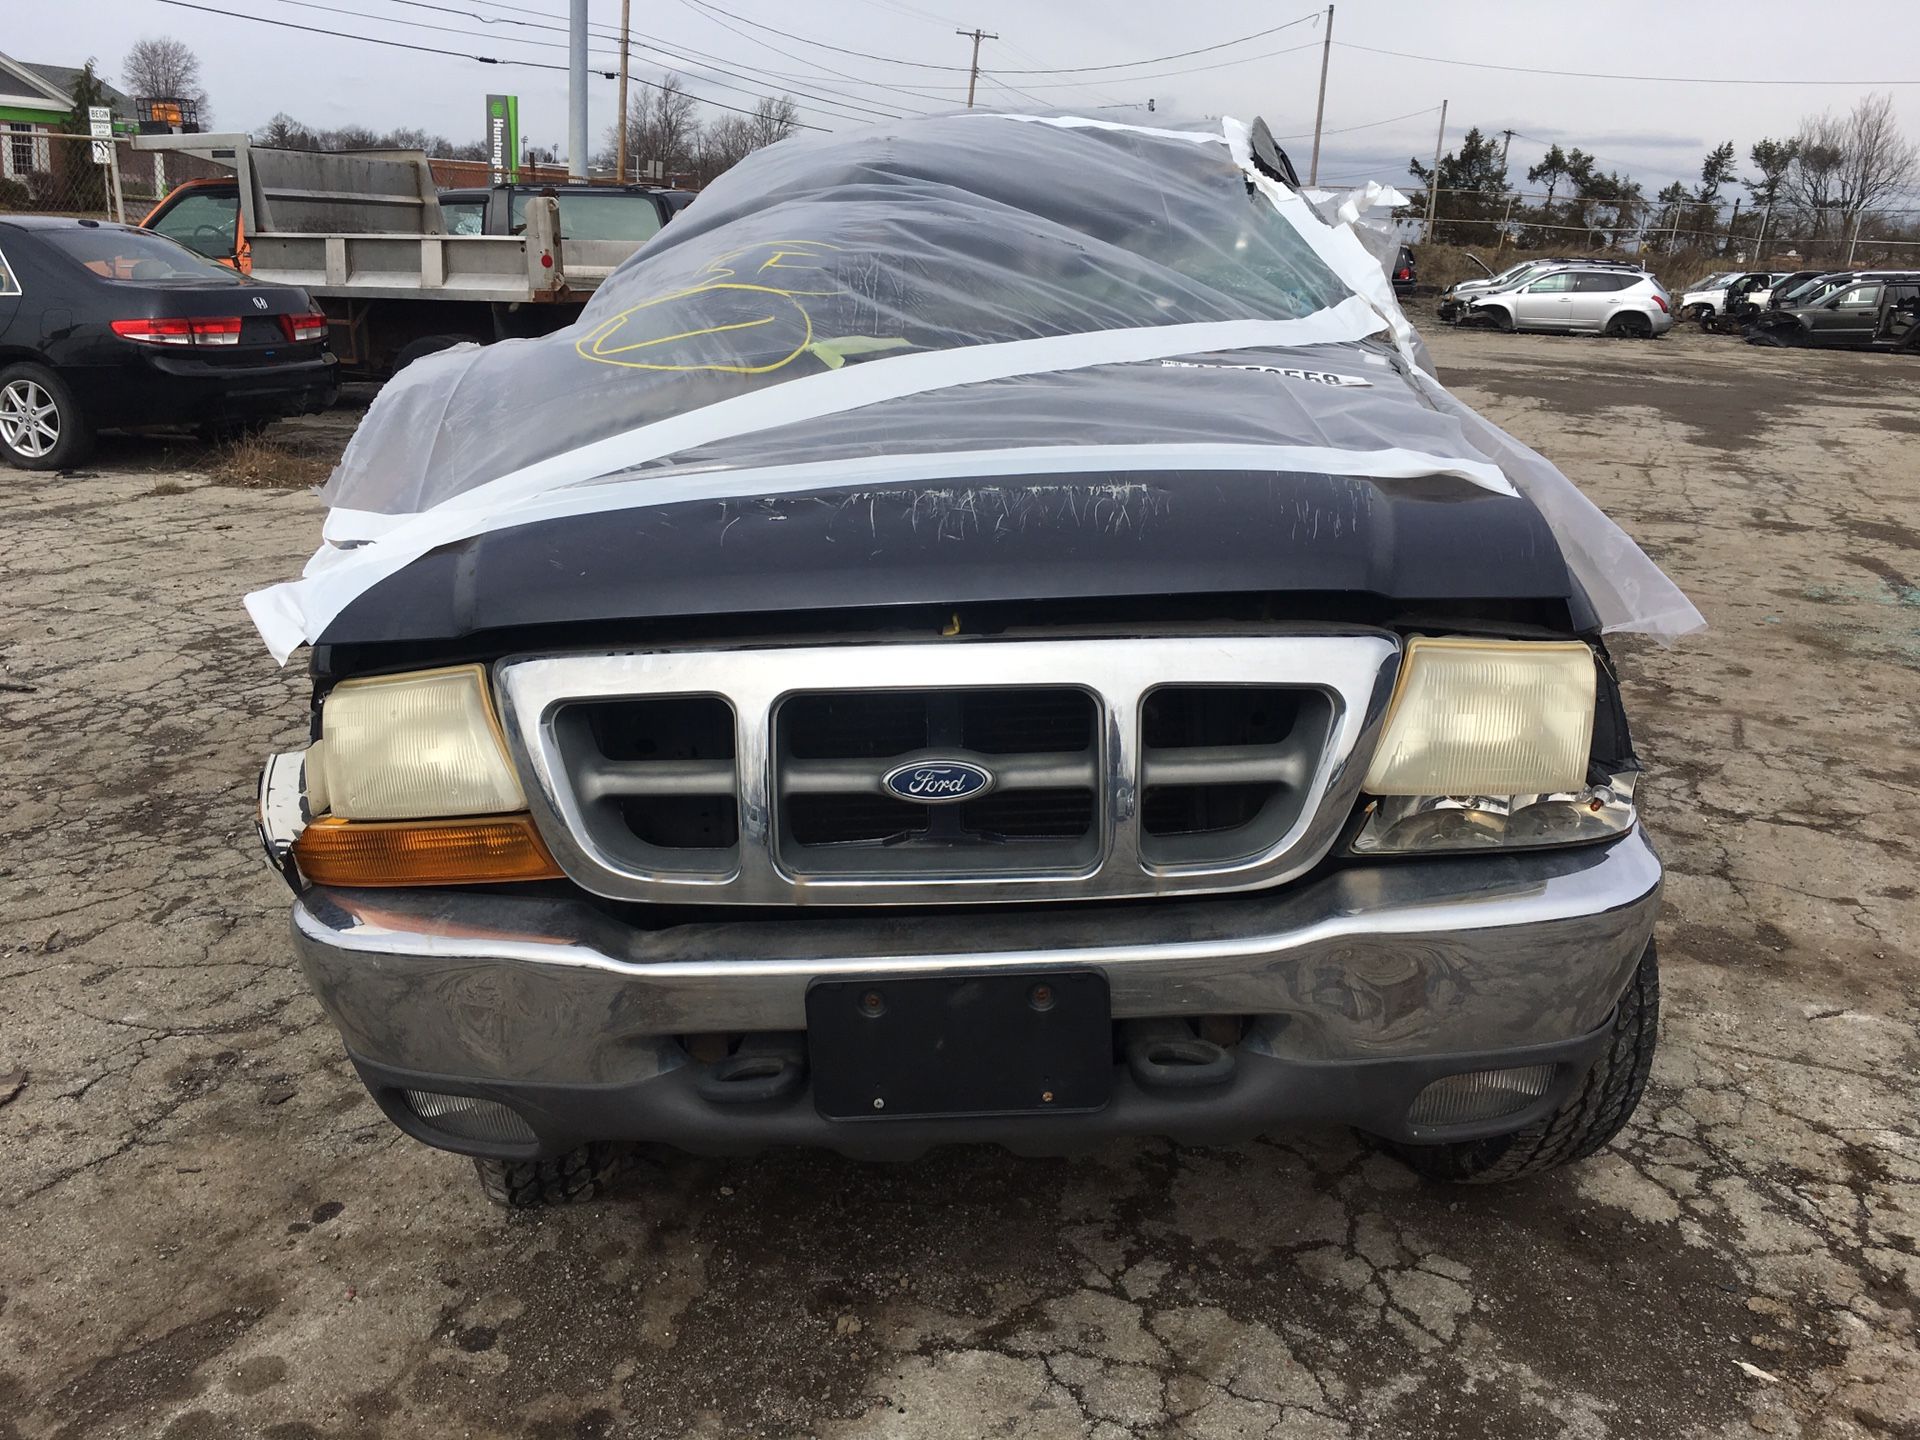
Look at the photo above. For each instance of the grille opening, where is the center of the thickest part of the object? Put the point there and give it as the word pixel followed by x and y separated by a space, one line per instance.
pixel 1029 815
pixel 866 726
pixel 682 822
pixel 876 724
pixel 678 727
pixel 1182 716
pixel 1201 809
pixel 1012 722
pixel 853 819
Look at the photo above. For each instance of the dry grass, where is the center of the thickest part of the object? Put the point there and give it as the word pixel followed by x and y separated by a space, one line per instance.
pixel 168 487
pixel 266 462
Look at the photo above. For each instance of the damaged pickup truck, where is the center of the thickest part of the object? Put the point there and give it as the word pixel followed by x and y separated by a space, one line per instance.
pixel 986 631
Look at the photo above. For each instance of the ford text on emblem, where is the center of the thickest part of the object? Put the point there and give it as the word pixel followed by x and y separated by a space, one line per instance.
pixel 937 782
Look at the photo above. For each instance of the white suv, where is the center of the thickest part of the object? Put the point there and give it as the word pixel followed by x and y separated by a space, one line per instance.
pixel 1592 301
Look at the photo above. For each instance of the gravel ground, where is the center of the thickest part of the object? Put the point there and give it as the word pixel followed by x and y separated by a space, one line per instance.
pixel 210 1232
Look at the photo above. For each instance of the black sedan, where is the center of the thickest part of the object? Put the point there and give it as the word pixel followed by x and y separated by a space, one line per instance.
pixel 106 326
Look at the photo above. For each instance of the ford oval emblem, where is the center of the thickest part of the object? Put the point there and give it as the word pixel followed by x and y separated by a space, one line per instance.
pixel 937 782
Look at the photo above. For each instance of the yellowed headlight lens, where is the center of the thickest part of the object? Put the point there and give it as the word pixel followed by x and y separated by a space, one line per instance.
pixel 407 747
pixel 1487 717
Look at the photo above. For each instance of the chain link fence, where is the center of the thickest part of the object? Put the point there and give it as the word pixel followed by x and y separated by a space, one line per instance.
pixel 47 173
pixel 1539 221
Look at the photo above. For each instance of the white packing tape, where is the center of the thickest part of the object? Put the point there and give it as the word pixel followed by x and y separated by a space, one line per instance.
pixel 300 610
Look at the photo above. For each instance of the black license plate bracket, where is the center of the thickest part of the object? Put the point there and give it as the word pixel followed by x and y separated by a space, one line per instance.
pixel 1026 1043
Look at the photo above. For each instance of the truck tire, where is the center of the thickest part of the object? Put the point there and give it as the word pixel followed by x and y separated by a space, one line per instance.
pixel 530 1184
pixel 1591 1117
pixel 41 427
pixel 428 345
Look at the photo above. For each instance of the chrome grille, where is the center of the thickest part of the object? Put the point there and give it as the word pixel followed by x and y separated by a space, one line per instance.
pixel 1119 767
pixel 832 749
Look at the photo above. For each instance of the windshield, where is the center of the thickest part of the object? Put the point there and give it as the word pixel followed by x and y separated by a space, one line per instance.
pixel 612 216
pixel 206 223
pixel 834 254
pixel 117 252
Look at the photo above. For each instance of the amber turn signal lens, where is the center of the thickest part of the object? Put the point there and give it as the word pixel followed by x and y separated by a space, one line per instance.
pixel 423 852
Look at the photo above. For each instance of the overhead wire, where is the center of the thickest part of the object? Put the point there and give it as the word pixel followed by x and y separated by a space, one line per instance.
pixel 454 54
pixel 853 102
pixel 1597 75
pixel 963 69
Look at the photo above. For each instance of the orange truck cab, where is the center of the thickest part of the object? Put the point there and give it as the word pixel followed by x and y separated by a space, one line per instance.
pixel 204 216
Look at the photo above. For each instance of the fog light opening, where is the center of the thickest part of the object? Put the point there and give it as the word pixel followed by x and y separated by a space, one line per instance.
pixel 468 1117
pixel 1476 1095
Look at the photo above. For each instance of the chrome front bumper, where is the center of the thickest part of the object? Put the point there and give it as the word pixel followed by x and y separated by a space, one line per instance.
pixel 1381 961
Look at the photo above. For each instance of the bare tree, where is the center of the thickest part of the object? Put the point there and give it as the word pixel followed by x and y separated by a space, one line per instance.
pixel 283 132
pixel 160 67
pixel 774 119
pixel 724 144
pixel 662 125
pixel 1876 159
pixel 412 138
pixel 1846 166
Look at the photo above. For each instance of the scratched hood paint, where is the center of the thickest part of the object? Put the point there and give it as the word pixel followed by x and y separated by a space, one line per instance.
pixel 1059 537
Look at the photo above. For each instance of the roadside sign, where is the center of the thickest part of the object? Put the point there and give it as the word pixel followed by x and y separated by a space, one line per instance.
pixel 100 123
pixel 503 138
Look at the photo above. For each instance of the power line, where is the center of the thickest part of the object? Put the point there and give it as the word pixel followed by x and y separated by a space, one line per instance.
pixel 706 57
pixel 842 74
pixel 853 102
pixel 1164 74
pixel 1595 75
pixel 454 54
pixel 1070 70
pixel 1371 124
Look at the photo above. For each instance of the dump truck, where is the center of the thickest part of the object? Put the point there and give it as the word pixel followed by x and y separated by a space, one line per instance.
pixel 363 233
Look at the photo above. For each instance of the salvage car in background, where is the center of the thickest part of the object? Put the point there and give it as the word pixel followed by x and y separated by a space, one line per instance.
pixel 1014 670
pixel 1709 296
pixel 1454 299
pixel 1860 312
pixel 1597 300
pixel 1406 271
pixel 107 326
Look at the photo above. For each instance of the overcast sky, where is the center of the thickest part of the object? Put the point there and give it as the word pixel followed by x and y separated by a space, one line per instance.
pixel 1656 131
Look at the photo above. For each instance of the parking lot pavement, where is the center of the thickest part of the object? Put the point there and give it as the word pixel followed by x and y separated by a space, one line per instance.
pixel 210 1232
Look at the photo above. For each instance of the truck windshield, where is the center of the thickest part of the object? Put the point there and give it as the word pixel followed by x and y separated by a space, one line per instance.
pixel 205 222
pixel 612 216
pixel 115 252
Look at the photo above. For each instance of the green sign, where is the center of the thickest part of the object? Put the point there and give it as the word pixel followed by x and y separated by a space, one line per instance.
pixel 503 138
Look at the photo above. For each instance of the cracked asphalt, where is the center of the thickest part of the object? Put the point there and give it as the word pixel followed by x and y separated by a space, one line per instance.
pixel 206 1229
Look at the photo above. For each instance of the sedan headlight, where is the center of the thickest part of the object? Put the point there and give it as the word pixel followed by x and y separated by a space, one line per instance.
pixel 1486 745
pixel 404 747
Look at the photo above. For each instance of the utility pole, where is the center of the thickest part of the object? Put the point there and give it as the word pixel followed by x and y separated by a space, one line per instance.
pixel 973 77
pixel 620 130
pixel 1433 179
pixel 1760 247
pixel 1508 140
pixel 577 91
pixel 1320 106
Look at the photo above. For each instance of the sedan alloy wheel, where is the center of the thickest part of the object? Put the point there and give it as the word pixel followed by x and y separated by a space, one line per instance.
pixel 29 419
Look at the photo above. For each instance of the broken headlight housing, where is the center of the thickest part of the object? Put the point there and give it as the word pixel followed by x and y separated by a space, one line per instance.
pixel 1487 746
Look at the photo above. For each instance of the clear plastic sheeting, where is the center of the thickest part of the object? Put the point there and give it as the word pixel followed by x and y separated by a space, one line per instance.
pixel 894 299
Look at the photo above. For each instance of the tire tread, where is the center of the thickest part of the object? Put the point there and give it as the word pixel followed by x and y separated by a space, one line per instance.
pixel 1590 1118
pixel 561 1180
